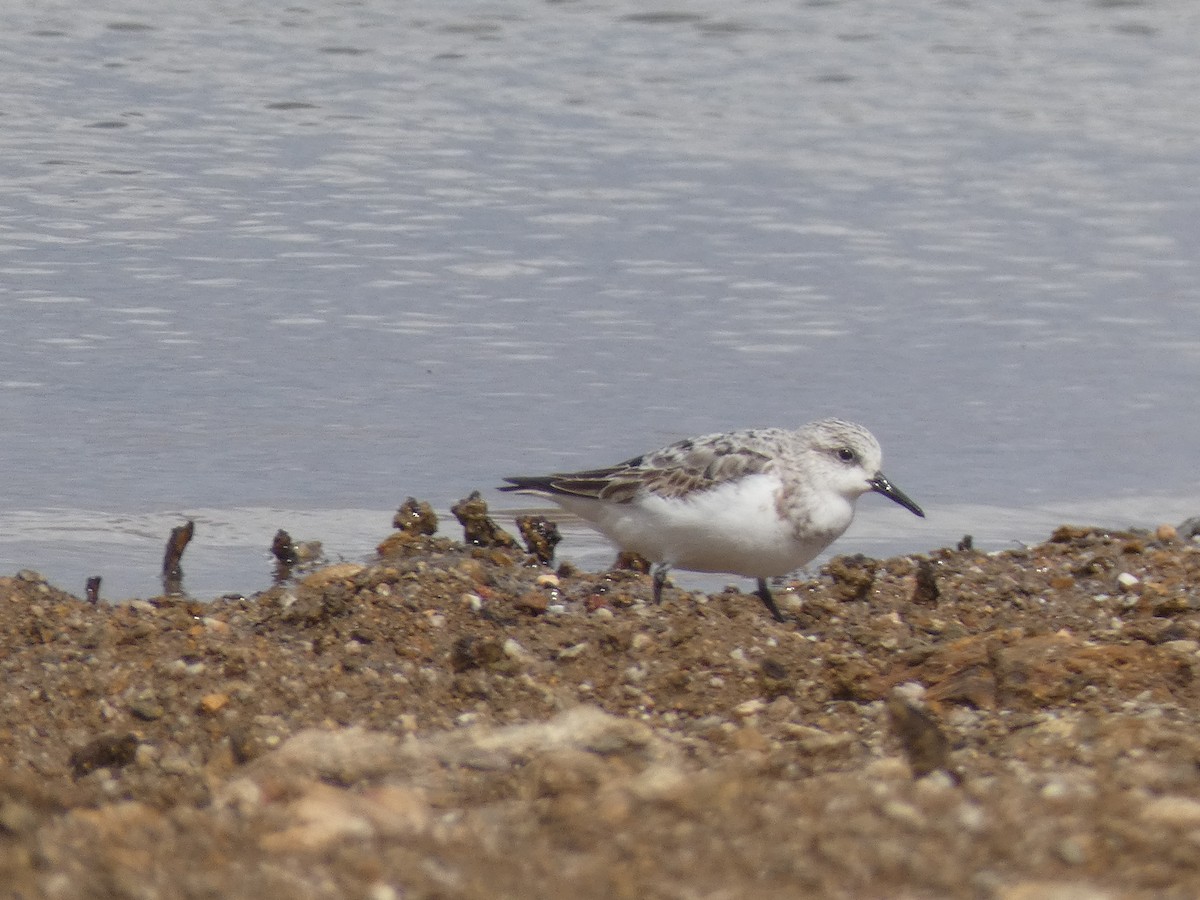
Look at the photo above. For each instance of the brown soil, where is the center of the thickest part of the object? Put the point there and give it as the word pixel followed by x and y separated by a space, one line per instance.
pixel 451 722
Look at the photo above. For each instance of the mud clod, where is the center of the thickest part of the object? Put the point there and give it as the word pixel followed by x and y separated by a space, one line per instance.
pixel 924 743
pixel 416 517
pixel 108 751
pixel 540 536
pixel 925 592
pixel 852 576
pixel 478 528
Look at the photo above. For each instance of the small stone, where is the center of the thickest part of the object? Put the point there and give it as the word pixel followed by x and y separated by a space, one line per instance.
pixel 1174 811
pixel 548 580
pixel 1127 581
pixel 338 572
pixel 147 709
pixel 213 703
pixel 1072 850
pixel 1183 645
pixel 215 626
pixel 471 652
pixel 572 652
pixel 16 818
pixel 904 813
pixel 748 708
pixel 513 650
pixel 533 602
pixel 750 738
pixel 1166 532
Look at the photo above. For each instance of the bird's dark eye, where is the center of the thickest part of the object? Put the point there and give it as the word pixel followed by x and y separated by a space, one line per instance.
pixel 846 455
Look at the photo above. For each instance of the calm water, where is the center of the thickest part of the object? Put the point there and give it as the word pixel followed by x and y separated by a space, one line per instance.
pixel 283 266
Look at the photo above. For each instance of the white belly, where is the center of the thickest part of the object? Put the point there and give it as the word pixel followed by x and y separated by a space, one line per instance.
pixel 735 528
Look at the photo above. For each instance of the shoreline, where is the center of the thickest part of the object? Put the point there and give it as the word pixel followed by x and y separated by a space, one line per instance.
pixel 450 721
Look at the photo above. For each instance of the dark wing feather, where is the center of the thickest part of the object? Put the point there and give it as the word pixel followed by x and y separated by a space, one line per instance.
pixel 675 471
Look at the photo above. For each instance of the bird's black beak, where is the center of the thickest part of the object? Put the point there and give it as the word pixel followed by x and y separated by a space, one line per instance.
pixel 880 485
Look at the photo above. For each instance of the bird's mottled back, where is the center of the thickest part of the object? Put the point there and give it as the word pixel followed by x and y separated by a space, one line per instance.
pixel 702 463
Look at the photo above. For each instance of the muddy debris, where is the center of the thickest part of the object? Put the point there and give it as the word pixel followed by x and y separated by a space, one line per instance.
pixel 924 743
pixel 628 561
pixel 290 553
pixel 478 528
pixel 853 575
pixel 925 589
pixel 172 570
pixel 107 751
pixel 540 536
pixel 442 720
pixel 416 517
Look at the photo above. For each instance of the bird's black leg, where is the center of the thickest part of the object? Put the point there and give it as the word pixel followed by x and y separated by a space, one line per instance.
pixel 764 594
pixel 659 572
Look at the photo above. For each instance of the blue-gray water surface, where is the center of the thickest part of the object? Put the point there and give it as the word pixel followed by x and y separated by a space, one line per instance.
pixel 283 266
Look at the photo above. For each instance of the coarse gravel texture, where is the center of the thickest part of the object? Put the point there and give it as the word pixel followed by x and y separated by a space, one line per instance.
pixel 449 721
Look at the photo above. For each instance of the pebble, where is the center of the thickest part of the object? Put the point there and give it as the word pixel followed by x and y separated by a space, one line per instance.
pixel 748 708
pixel 216 626
pixel 174 764
pixel 1127 581
pixel 533 602
pixel 1072 851
pixel 213 703
pixel 905 813
pixel 573 651
pixel 1173 811
pixel 514 650
pixel 1183 645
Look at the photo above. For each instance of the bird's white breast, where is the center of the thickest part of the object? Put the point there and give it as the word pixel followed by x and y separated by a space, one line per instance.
pixel 735 527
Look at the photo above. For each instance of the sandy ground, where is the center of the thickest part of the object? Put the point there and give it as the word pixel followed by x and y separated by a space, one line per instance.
pixel 454 721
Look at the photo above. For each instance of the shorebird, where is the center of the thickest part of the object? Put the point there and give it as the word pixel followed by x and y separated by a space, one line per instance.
pixel 758 503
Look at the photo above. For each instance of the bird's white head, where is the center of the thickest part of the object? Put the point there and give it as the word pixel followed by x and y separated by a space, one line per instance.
pixel 846 459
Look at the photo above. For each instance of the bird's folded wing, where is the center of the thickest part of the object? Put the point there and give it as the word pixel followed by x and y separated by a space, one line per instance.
pixel 672 472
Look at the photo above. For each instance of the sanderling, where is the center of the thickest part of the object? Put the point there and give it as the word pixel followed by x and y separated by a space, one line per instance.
pixel 758 503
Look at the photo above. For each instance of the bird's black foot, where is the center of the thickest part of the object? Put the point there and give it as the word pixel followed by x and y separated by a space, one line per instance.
pixel 659 572
pixel 764 594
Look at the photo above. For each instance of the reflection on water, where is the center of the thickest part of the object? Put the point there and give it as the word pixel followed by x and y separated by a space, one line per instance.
pixel 325 258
